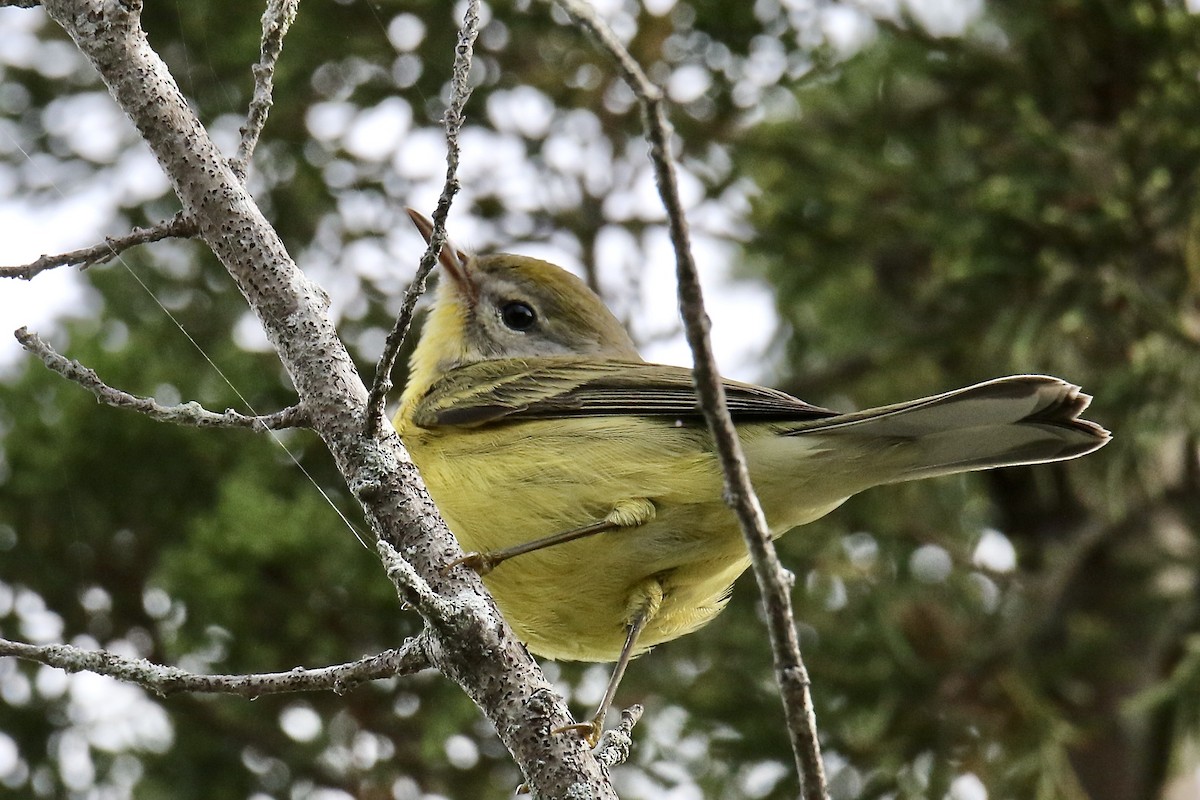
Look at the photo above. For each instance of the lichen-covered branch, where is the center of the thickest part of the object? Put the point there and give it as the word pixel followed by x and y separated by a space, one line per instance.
pixel 775 583
pixel 276 20
pixel 490 663
pixel 163 680
pixel 414 590
pixel 177 227
pixel 617 742
pixel 192 413
pixel 460 91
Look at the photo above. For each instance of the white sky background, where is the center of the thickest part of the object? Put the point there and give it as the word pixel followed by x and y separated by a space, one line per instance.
pixel 742 312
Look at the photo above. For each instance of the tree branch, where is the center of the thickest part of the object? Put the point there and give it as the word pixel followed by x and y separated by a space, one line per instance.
pixel 411 658
pixel 616 743
pixel 192 414
pixel 452 120
pixel 276 19
pixel 177 227
pixel 490 664
pixel 775 583
pixel 414 591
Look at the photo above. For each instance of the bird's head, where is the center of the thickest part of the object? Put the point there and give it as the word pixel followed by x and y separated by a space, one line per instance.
pixel 509 306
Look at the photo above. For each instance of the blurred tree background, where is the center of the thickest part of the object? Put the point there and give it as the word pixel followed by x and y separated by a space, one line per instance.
pixel 934 194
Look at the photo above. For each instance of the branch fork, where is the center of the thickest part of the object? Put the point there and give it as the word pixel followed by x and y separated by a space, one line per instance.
pixel 190 413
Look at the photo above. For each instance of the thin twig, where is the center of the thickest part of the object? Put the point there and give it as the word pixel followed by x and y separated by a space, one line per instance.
pixel 177 227
pixel 412 657
pixel 276 19
pixel 192 413
pixel 616 742
pixel 414 590
pixel 774 582
pixel 460 91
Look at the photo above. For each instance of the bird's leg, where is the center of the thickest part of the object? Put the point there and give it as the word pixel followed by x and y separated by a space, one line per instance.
pixel 485 562
pixel 645 602
pixel 626 514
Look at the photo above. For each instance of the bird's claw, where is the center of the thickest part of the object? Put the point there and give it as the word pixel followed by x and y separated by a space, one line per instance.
pixel 481 563
pixel 588 731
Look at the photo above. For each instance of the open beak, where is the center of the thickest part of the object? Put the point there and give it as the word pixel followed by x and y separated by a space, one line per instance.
pixel 454 261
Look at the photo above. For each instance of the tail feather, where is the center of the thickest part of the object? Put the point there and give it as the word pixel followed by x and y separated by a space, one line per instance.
pixel 1023 419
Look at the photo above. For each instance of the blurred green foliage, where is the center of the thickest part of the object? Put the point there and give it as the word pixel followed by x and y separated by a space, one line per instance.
pixel 930 209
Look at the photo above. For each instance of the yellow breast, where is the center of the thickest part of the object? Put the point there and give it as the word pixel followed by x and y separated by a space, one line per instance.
pixel 502 485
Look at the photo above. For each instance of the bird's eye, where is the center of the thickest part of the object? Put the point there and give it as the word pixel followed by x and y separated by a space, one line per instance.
pixel 518 315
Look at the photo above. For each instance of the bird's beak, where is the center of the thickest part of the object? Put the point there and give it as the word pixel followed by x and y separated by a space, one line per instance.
pixel 455 261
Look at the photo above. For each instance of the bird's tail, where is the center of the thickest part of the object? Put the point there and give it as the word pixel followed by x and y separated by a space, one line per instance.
pixel 1023 419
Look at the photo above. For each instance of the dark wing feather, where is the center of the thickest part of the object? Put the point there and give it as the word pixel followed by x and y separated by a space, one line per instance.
pixel 557 388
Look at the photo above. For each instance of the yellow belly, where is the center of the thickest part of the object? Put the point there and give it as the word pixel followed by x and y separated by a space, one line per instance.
pixel 503 485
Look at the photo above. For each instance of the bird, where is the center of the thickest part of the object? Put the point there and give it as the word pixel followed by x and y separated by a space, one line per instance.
pixel 582 482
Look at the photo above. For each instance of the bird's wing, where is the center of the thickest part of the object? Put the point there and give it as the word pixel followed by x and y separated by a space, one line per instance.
pixel 511 390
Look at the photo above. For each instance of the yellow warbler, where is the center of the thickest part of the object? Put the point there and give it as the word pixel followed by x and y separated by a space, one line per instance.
pixel 585 481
